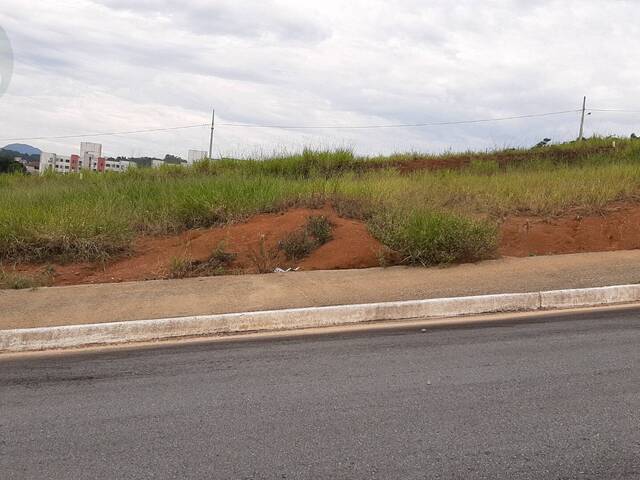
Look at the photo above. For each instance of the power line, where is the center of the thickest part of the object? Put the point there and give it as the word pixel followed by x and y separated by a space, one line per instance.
pixel 398 125
pixel 292 127
pixel 103 134
pixel 613 110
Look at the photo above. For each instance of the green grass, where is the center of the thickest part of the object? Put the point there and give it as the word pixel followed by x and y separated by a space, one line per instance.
pixel 300 243
pixel 430 217
pixel 433 238
pixel 319 228
pixel 297 245
pixel 18 281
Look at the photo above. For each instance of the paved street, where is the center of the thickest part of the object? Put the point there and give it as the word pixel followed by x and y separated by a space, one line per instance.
pixel 555 398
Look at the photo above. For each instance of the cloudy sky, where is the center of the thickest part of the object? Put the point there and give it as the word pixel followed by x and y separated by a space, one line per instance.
pixel 84 66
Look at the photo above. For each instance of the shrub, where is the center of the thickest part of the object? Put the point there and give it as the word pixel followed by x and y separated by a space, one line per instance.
pixel 432 238
pixel 264 258
pixel 297 245
pixel 319 227
pixel 216 264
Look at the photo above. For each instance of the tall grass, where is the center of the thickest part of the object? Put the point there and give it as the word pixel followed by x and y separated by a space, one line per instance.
pixel 433 238
pixel 84 218
pixel 429 216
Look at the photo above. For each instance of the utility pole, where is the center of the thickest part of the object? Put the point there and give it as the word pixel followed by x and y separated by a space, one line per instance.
pixel 584 104
pixel 213 120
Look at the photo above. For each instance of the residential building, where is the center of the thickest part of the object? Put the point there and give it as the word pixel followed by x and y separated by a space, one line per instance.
pixel 196 156
pixel 55 163
pixel 90 158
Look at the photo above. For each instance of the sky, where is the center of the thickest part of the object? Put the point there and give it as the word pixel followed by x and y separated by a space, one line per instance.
pixel 89 66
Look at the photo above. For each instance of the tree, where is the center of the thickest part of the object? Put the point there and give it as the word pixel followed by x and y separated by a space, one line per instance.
pixel 168 158
pixel 9 165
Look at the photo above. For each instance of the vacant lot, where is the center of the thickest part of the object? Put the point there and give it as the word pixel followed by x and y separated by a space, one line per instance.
pixel 411 208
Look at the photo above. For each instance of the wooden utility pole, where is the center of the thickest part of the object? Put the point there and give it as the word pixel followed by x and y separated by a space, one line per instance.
pixel 213 119
pixel 584 105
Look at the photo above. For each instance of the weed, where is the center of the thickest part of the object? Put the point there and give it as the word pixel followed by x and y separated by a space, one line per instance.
pixel 216 264
pixel 300 243
pixel 319 227
pixel 297 245
pixel 180 267
pixel 264 258
pixel 221 257
pixel 387 257
pixel 18 281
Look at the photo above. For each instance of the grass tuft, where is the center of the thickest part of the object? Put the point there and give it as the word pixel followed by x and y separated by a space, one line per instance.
pixel 297 245
pixel 264 258
pixel 300 243
pixel 432 238
pixel 217 263
pixel 319 227
pixel 19 281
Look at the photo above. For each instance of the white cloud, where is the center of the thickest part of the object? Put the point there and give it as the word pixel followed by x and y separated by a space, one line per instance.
pixel 113 65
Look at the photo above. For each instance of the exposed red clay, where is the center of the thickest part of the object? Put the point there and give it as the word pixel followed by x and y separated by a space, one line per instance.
pixel 352 246
pixel 617 228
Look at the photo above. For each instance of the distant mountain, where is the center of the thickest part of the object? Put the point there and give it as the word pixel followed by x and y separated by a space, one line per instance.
pixel 23 149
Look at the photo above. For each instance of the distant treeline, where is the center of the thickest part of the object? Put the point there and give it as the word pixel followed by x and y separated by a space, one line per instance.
pixel 10 154
pixel 9 165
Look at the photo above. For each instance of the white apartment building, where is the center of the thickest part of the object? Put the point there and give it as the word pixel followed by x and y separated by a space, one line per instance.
pixel 53 162
pixel 196 156
pixel 90 158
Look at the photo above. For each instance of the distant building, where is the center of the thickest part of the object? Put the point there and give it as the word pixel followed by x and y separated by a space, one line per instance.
pixel 90 158
pixel 30 165
pixel 55 163
pixel 196 156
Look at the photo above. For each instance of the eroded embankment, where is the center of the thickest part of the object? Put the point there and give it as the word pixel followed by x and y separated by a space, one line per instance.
pixel 254 245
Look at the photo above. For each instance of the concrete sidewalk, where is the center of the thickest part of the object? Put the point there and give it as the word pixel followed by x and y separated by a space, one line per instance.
pixel 201 296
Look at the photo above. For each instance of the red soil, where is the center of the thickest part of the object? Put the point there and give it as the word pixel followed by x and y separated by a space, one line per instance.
pixel 617 228
pixel 352 246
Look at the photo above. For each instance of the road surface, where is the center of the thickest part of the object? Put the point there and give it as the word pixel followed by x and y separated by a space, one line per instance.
pixel 554 398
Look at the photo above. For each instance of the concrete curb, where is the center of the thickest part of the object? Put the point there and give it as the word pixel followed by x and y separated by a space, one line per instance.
pixel 33 339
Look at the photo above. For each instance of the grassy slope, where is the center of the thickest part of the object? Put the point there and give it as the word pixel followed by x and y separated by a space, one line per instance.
pixel 429 216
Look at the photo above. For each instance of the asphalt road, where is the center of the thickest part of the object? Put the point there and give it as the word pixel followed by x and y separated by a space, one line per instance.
pixel 557 398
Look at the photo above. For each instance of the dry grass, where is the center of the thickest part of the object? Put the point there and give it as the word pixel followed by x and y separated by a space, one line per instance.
pixel 12 280
pixel 218 263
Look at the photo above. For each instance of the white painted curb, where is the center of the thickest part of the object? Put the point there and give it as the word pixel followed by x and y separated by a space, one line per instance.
pixel 32 339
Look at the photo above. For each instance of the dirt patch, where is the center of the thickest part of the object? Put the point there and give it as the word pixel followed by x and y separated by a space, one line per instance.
pixel 617 228
pixel 504 158
pixel 253 243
